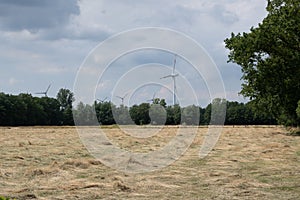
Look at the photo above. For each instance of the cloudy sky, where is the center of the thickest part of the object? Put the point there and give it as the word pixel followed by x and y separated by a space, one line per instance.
pixel 45 42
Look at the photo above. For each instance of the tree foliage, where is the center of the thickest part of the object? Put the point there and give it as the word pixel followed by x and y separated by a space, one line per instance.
pixel 140 113
pixel 26 110
pixel 65 98
pixel 298 112
pixel 104 112
pixel 270 56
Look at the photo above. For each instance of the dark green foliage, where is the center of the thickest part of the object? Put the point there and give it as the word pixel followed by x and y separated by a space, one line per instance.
pixel 140 113
pixel 26 110
pixel 51 108
pixel 269 56
pixel 23 109
pixel 206 115
pixel 104 113
pixel 201 113
pixel 173 115
pixel 65 98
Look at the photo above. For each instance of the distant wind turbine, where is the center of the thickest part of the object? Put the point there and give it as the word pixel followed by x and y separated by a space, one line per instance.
pixel 153 98
pixel 45 93
pixel 102 100
pixel 122 98
pixel 173 76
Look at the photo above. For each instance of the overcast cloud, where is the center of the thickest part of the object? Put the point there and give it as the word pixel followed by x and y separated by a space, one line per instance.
pixel 45 41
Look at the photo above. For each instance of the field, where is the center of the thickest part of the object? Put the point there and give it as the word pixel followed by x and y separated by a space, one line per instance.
pixel 246 163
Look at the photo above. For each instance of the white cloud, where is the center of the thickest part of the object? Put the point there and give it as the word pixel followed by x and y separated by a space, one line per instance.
pixel 53 38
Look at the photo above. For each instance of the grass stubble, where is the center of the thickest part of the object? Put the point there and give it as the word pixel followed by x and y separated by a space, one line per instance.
pixel 247 163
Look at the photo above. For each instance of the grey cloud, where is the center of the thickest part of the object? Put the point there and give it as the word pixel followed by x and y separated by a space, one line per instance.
pixel 221 14
pixel 34 15
pixel 74 34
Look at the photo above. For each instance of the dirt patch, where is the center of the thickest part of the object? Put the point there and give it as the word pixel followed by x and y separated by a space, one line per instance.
pixel 247 163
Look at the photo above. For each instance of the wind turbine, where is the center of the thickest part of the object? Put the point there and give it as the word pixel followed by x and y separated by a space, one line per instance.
pixel 173 76
pixel 45 93
pixel 102 100
pixel 153 98
pixel 122 98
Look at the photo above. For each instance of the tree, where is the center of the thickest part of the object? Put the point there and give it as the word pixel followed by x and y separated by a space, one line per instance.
pixel 159 101
pixel 3 109
pixel 85 114
pixel 235 113
pixel 25 110
pixel 104 112
pixel 121 115
pixel 206 115
pixel 65 98
pixel 51 108
pixel 258 116
pixel 201 112
pixel 158 114
pixel 269 56
pixel 298 112
pixel 173 115
pixel 34 113
pixel 215 112
pixel 190 115
pixel 140 113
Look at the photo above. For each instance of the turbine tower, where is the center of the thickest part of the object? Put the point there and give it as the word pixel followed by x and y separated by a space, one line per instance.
pixel 45 93
pixel 122 98
pixel 173 76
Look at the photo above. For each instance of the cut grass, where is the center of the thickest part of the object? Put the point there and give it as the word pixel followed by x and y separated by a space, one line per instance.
pixel 246 163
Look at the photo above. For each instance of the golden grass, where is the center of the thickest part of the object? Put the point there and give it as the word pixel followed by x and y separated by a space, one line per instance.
pixel 246 163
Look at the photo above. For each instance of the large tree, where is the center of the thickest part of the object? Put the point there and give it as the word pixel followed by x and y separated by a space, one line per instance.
pixel 270 57
pixel 65 98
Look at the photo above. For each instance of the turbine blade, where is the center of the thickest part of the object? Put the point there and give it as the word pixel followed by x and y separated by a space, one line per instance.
pixel 48 88
pixel 102 100
pixel 154 95
pixel 166 76
pixel 174 64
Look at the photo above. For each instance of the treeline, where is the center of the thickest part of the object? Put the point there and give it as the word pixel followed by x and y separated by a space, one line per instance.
pixel 26 110
pixel 158 113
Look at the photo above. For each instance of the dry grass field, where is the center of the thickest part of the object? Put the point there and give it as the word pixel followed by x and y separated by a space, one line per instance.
pixel 246 163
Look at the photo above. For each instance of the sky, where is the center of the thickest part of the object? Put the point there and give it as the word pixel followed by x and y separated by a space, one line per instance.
pixel 48 42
